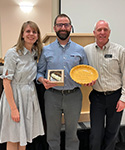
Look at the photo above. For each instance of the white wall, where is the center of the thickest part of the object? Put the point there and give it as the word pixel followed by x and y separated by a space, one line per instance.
pixel 85 13
pixel 12 18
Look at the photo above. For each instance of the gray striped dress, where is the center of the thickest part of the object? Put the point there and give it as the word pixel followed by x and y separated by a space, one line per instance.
pixel 21 71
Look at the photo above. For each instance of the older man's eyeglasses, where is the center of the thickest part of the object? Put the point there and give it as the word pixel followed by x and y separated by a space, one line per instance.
pixel 60 25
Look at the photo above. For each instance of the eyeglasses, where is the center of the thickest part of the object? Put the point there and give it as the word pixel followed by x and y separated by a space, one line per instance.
pixel 60 25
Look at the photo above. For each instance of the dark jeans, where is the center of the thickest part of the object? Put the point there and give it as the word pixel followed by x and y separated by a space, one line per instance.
pixel 105 121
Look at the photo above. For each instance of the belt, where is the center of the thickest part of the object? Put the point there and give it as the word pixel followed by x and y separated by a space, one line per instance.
pixel 107 92
pixel 64 91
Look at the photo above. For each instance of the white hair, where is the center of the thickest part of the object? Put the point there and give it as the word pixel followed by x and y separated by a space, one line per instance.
pixel 103 21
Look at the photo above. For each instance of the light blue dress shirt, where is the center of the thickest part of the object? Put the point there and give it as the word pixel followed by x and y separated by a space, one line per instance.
pixel 55 56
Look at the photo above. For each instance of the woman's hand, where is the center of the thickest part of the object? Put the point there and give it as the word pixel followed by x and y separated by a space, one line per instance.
pixel 15 115
pixel 9 95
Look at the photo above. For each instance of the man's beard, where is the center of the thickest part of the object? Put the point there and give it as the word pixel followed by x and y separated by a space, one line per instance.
pixel 63 36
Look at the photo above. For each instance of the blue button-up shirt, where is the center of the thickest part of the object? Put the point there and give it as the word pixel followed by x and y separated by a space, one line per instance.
pixel 55 56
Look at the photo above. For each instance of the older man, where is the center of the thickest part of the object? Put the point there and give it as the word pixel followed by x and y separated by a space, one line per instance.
pixel 108 95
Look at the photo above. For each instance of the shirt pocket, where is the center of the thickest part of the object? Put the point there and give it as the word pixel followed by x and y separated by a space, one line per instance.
pixel 113 64
pixel 75 59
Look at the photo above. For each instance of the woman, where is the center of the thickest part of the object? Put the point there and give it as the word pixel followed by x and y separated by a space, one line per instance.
pixel 20 117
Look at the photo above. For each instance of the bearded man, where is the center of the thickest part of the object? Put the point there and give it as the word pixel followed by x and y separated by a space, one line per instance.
pixel 62 54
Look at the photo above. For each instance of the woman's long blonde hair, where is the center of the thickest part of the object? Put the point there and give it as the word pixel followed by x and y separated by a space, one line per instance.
pixel 37 45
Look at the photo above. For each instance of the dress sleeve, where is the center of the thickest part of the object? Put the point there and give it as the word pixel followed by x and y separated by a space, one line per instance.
pixel 10 62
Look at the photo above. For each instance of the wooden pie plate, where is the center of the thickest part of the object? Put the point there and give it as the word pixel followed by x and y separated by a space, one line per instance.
pixel 83 74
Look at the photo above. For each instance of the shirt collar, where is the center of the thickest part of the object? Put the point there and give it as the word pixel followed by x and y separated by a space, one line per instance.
pixel 66 44
pixel 26 51
pixel 106 46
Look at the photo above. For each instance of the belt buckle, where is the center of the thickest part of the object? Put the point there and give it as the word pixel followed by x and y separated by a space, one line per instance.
pixel 105 93
pixel 62 91
pixel 65 91
pixel 108 92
